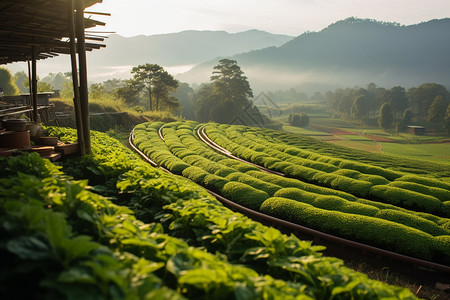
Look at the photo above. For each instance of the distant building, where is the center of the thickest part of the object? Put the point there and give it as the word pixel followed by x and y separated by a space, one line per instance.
pixel 417 130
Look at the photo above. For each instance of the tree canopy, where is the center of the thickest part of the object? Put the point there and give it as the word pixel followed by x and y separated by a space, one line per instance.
pixel 7 83
pixel 156 84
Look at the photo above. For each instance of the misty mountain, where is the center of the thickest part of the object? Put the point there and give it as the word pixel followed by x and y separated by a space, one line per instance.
pixel 174 51
pixel 347 53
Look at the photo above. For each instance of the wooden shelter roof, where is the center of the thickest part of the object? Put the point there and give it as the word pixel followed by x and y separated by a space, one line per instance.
pixel 41 25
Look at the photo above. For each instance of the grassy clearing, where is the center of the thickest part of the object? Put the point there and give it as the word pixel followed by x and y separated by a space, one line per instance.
pixel 439 153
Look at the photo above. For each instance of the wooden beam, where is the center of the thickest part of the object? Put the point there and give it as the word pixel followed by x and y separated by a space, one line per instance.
pixel 76 91
pixel 82 63
pixel 34 84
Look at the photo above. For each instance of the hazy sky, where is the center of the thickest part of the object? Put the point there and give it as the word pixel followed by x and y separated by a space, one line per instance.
pixel 293 17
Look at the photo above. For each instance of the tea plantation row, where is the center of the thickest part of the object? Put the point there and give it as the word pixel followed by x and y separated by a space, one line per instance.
pixel 154 237
pixel 360 179
pixel 423 235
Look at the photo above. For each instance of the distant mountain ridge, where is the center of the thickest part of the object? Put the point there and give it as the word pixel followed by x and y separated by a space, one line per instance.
pixel 348 53
pixel 181 49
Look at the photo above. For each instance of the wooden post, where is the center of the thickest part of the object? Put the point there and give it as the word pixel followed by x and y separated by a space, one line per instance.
pixel 82 63
pixel 34 85
pixel 30 85
pixel 76 91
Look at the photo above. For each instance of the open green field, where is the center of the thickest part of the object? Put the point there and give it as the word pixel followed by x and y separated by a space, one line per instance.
pixel 340 132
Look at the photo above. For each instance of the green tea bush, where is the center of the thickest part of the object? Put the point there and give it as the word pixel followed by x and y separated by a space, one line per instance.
pixel 406 198
pixel 303 173
pixel 378 232
pixel 327 202
pixel 267 187
pixel 446 208
pixel 214 182
pixel 244 194
pixel 343 183
pixel 290 182
pixel 425 181
pixel 441 194
pixel 374 179
pixel 413 221
pixel 195 174
pixel 238 165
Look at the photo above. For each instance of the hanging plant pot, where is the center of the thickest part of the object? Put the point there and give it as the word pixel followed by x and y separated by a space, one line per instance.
pixel 15 139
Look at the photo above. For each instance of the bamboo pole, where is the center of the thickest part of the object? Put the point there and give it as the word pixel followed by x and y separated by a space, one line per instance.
pixel 82 63
pixel 76 91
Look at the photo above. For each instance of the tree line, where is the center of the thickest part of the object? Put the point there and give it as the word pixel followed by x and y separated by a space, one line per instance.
pixel 227 98
pixel 393 109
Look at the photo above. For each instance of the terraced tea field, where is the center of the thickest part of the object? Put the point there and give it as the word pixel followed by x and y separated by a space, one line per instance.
pixel 394 204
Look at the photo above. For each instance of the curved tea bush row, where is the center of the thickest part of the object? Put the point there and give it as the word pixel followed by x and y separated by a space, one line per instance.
pixel 266 185
pixel 363 209
pixel 384 161
pixel 251 189
pixel 375 183
pixel 193 215
pixel 364 228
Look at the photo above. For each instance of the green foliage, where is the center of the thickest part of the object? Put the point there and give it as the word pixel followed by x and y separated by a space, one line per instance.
pixel 201 221
pixel 441 194
pixel 327 202
pixel 261 185
pixel 413 221
pixel 156 84
pixel 432 182
pixel 244 194
pixel 406 198
pixel 298 119
pixel 371 230
pixel 7 83
pixel 386 119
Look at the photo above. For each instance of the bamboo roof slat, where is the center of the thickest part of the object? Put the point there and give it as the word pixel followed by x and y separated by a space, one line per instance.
pixel 41 25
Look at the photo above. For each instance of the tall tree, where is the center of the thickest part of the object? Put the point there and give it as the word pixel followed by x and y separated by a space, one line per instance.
pixel 227 98
pixel 230 83
pixel 447 120
pixel 155 82
pixel 436 113
pixel 386 119
pixel 231 92
pixel 21 79
pixel 396 97
pixel 423 96
pixel 7 83
pixel 360 107
pixel 406 119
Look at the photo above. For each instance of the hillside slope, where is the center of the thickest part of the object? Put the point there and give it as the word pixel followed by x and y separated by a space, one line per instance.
pixel 346 53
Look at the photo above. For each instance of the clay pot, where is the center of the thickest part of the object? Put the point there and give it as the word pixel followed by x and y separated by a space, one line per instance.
pixel 14 124
pixel 35 129
pixel 15 139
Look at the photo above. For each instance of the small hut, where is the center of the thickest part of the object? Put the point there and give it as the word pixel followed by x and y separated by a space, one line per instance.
pixel 417 130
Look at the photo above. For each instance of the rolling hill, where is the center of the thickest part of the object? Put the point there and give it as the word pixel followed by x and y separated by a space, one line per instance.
pixel 348 53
